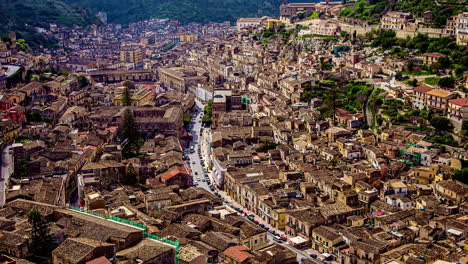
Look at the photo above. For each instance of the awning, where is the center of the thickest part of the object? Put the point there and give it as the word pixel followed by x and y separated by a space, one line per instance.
pixel 298 240
pixel 454 231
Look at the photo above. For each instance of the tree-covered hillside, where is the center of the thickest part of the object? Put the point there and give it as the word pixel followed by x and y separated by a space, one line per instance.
pixel 441 9
pixel 373 9
pixel 22 16
pixel 125 11
pixel 41 13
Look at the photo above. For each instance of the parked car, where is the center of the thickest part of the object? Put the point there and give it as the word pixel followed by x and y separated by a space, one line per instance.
pixel 313 256
pixel 255 221
pixel 261 225
pixel 266 228
pixel 303 259
pixel 196 173
pixel 211 188
pixel 277 240
pixel 283 238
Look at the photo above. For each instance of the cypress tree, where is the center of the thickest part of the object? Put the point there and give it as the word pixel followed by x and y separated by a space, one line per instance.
pixel 128 133
pixel 127 98
pixel 42 242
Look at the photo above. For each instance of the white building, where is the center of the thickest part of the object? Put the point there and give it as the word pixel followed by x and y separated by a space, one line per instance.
pixel 204 93
pixel 404 203
pixel 461 29
pixel 245 22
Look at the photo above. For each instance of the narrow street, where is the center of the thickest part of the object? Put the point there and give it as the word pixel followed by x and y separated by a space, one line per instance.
pixel 202 177
pixel 6 169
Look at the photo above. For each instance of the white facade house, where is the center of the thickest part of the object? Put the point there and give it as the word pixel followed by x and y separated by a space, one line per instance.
pixel 404 203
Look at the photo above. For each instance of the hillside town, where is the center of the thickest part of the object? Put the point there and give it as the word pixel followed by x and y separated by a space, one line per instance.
pixel 307 138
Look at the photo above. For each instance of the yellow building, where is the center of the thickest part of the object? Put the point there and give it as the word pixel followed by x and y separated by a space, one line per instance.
pixel 424 175
pixel 430 58
pixel 272 214
pixel 273 23
pixel 188 37
pixel 253 237
pixel 138 99
pixel 9 129
pixel 453 192
pixel 324 238
pixel 356 220
pixel 131 54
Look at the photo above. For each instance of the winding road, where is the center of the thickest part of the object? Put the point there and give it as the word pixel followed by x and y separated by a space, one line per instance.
pixel 6 169
pixel 201 175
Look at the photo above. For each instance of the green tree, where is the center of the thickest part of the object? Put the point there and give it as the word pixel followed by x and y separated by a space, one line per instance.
pixel 410 65
pixel 42 242
pixel 82 82
pixel 447 82
pixel 131 177
pixel 413 82
pixel 129 135
pixel 187 119
pixel 399 76
pixel 129 84
pixel 126 97
pixel 208 111
pixel 461 175
pixel 33 116
pixel 264 147
pixel 440 123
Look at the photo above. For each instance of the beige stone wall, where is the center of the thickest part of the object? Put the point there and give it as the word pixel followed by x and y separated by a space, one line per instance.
pixel 360 30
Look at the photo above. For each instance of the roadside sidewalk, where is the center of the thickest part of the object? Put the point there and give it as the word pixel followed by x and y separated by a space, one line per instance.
pixel 258 218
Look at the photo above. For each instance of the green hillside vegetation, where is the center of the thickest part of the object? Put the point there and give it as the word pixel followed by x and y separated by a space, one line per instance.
pixel 22 16
pixel 365 10
pixel 456 60
pixel 441 9
pixel 126 11
pixel 373 9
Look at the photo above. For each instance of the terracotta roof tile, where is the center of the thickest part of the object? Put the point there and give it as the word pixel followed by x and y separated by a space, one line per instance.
pixel 422 89
pixel 460 101
pixel 179 170
pixel 238 253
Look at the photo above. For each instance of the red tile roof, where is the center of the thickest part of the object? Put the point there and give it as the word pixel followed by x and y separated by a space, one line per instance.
pixel 460 101
pixel 100 260
pixel 179 170
pixel 434 55
pixel 422 89
pixel 238 253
